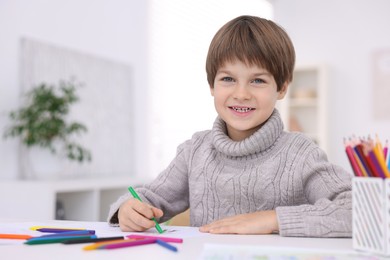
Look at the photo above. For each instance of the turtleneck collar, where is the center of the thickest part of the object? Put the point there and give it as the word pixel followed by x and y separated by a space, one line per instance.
pixel 258 142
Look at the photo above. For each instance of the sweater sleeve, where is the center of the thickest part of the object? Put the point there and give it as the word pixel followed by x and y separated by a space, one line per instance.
pixel 168 192
pixel 327 189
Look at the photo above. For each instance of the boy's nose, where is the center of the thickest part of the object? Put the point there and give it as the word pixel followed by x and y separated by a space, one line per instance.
pixel 241 92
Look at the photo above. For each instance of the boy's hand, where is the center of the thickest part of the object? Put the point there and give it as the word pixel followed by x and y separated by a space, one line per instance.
pixel 260 222
pixel 135 215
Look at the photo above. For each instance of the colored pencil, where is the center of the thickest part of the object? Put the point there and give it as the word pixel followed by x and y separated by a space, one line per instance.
pixel 378 147
pixel 359 151
pixel 388 161
pixel 381 154
pixel 350 153
pixel 366 150
pixel 360 165
pixel 373 158
pixel 381 161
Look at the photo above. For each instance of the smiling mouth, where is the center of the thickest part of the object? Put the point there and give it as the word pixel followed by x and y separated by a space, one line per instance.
pixel 242 109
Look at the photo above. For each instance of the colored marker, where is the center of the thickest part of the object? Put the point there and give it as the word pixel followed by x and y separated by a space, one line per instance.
pixel 15 236
pixel 135 195
pixel 70 233
pixel 47 240
pixel 138 242
pixel 61 230
pixel 91 240
pixel 99 245
pixel 165 239
pixel 166 245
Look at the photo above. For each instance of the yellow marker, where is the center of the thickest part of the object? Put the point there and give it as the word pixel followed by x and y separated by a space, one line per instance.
pixel 100 244
pixel 35 228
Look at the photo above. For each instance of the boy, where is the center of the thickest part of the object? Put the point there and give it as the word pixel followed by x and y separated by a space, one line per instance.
pixel 247 175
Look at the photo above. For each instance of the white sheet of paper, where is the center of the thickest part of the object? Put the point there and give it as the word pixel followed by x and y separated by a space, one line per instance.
pixel 243 252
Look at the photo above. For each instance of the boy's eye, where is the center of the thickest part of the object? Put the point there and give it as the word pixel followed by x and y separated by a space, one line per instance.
pixel 258 81
pixel 227 79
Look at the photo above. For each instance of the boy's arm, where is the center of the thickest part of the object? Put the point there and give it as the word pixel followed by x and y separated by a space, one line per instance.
pixel 327 187
pixel 328 212
pixel 260 222
pixel 114 208
pixel 168 192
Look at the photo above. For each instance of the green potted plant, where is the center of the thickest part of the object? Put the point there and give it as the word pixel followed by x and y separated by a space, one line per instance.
pixel 42 121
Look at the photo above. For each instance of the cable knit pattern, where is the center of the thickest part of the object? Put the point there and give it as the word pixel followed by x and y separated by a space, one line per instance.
pixel 272 169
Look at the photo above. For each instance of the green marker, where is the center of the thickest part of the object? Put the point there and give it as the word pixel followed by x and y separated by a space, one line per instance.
pixel 135 195
pixel 50 240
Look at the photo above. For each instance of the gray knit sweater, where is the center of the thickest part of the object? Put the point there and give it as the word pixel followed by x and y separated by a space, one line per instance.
pixel 216 177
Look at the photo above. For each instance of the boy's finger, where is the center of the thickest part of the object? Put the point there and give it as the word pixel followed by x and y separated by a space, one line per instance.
pixel 141 220
pixel 129 225
pixel 143 209
pixel 158 213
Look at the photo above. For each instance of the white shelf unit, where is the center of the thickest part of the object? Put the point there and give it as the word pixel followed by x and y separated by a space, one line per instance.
pixel 80 199
pixel 304 108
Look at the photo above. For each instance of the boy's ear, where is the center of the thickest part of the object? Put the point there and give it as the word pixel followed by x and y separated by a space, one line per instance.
pixel 283 91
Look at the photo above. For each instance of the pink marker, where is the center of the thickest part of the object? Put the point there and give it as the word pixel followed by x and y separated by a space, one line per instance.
pixel 165 239
pixel 130 243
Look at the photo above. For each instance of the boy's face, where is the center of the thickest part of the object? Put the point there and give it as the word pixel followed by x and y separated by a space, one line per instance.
pixel 244 97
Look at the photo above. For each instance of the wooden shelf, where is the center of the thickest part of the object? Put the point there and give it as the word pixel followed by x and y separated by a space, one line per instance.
pixel 304 108
pixel 79 199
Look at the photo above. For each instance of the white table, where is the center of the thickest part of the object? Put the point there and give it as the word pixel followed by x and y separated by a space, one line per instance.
pixel 191 248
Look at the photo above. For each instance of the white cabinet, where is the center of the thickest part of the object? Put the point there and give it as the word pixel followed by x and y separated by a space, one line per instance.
pixel 304 107
pixel 79 199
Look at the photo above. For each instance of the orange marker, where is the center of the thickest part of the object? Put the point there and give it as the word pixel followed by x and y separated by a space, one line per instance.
pixel 15 236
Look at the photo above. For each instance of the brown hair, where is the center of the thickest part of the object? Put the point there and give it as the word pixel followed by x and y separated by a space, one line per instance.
pixel 255 41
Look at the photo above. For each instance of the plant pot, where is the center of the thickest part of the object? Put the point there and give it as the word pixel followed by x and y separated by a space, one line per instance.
pixel 41 164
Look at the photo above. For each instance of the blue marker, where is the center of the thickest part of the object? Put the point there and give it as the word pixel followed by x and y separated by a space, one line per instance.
pixel 166 245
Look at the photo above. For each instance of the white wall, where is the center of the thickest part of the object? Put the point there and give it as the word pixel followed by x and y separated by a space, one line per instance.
pixel 115 29
pixel 343 34
pixel 119 30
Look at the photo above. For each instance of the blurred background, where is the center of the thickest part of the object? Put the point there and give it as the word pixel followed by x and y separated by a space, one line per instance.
pixel 145 91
